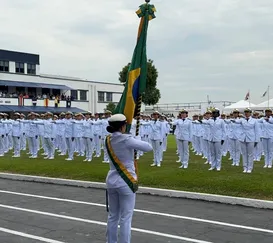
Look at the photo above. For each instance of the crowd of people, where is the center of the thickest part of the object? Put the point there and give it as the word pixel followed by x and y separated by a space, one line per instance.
pixel 5 94
pixel 212 135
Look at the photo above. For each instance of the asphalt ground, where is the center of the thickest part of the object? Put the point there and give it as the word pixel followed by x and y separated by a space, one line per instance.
pixel 35 212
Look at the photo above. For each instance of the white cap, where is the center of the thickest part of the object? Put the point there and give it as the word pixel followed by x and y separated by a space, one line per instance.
pixel 117 118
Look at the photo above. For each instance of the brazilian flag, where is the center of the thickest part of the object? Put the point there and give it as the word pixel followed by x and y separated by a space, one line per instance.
pixel 137 74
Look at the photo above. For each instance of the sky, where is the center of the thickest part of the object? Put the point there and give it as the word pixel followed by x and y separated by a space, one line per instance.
pixel 220 48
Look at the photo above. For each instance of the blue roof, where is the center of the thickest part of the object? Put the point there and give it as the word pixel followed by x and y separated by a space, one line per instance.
pixel 33 85
pixel 38 109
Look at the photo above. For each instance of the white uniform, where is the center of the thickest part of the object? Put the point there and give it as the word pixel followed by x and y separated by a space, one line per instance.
pixel 249 137
pixel 183 136
pixel 156 140
pixel 121 197
pixel 217 134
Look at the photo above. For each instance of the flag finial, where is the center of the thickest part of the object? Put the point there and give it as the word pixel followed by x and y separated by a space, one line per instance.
pixel 146 8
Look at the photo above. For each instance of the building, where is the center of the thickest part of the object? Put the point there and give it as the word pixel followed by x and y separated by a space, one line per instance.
pixel 24 88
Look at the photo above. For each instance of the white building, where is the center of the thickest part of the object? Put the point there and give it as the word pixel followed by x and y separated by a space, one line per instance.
pixel 20 74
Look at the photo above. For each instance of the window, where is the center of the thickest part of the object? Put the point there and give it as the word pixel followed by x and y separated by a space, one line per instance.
pixel 19 67
pixel 74 94
pixel 31 69
pixel 83 95
pixel 4 66
pixel 109 97
pixel 100 96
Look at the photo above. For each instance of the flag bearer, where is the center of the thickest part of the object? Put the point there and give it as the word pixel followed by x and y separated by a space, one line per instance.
pixel 121 189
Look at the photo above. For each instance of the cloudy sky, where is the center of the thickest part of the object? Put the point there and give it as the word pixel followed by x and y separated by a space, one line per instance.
pixel 219 48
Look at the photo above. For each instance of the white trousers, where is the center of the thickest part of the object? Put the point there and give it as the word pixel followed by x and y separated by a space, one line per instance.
pixel 121 208
pixel 49 147
pixel 70 147
pixel 2 144
pixel 89 147
pixel 105 153
pixel 268 151
pixel 33 145
pixel 97 145
pixel 16 145
pixel 216 154
pixel 198 145
pixel 23 142
pixel 156 150
pixel 183 151
pixel 235 150
pixel 248 155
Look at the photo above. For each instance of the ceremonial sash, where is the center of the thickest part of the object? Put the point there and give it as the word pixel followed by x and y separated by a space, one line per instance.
pixel 123 172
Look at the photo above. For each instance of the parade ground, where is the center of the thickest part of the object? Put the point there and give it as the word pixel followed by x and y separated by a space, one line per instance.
pixel 35 212
pixel 229 181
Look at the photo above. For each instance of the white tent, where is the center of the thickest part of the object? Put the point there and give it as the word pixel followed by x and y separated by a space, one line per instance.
pixel 240 105
pixel 264 105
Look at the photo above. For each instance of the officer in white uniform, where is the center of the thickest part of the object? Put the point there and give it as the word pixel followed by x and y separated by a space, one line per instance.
pixel 49 134
pixel 217 134
pixel 234 134
pixel 121 197
pixel 267 138
pixel 249 138
pixel 107 115
pixel 23 142
pixel 88 136
pixel 156 138
pixel 97 134
pixel 184 137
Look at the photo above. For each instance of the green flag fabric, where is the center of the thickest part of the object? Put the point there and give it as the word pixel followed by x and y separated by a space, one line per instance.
pixel 137 74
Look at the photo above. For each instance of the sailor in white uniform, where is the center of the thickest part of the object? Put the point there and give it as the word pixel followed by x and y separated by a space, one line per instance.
pixel 217 134
pixel 184 137
pixel 121 195
pixel 267 138
pixel 156 138
pixel 249 138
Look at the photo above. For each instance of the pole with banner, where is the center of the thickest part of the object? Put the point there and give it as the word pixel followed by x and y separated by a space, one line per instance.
pixel 131 99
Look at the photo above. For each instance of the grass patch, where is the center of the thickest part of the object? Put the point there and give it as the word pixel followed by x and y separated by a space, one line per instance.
pixel 230 181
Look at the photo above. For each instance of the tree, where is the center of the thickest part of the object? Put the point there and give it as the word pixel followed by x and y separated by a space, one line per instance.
pixel 152 93
pixel 110 107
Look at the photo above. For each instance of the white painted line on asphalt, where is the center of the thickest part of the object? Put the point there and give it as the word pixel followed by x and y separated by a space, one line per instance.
pixel 103 224
pixel 146 212
pixel 33 237
pixel 248 202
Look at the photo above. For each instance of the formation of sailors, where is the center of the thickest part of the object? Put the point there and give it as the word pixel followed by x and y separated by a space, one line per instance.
pixel 212 136
pixel 82 134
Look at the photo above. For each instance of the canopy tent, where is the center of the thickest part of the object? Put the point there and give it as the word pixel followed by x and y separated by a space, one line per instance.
pixel 240 105
pixel 264 105
pixel 33 85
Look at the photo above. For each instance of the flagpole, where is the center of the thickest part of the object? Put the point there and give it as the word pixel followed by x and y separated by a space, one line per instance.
pixel 138 110
pixel 268 96
pixel 249 98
